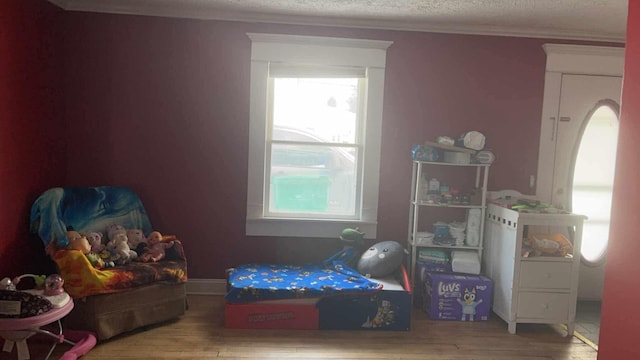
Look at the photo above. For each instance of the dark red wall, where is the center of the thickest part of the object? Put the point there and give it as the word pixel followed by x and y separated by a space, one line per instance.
pixel 619 326
pixel 32 135
pixel 162 105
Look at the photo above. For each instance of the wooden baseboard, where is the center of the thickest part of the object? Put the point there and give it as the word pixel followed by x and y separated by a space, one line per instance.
pixel 206 286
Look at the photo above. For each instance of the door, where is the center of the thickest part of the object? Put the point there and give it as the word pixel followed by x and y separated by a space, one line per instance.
pixel 586 138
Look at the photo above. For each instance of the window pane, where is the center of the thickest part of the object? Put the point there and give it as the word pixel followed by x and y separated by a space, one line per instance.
pixel 314 179
pixel 596 204
pixel 593 180
pixel 324 109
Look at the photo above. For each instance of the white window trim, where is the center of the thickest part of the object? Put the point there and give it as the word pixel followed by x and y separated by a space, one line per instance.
pixel 266 48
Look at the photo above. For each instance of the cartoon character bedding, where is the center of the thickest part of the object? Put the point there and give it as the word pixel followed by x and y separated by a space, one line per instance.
pixel 256 282
pixel 92 209
pixel 326 295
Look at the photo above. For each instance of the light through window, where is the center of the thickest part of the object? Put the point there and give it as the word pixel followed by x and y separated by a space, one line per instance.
pixel 314 147
pixel 314 135
pixel 593 181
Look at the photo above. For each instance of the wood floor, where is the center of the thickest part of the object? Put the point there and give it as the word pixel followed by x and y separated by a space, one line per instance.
pixel 588 320
pixel 200 334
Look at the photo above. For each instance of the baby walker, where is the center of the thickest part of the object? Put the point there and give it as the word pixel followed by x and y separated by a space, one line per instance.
pixel 23 313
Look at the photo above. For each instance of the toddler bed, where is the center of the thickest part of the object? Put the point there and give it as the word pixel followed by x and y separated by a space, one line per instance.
pixel 108 301
pixel 327 295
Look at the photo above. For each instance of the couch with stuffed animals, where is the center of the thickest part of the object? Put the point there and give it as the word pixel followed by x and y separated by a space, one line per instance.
pixel 121 272
pixel 350 290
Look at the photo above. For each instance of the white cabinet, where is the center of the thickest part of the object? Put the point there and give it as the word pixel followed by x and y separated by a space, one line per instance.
pixel 539 289
pixel 424 213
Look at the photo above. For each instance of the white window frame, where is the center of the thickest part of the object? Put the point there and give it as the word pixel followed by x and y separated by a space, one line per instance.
pixel 320 51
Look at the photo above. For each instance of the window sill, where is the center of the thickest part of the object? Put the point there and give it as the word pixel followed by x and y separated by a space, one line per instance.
pixel 314 228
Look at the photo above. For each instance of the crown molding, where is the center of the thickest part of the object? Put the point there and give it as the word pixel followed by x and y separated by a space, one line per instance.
pixel 319 40
pixel 582 59
pixel 198 10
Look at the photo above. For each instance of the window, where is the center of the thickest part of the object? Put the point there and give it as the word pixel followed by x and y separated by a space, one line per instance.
pixel 314 149
pixel 593 189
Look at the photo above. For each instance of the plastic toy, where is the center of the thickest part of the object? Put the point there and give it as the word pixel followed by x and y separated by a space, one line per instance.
pixel 352 237
pixel 38 315
pixel 38 281
pixel 53 285
pixel 7 284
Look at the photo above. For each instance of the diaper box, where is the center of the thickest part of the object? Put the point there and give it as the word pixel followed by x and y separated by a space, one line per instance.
pixel 422 268
pixel 457 297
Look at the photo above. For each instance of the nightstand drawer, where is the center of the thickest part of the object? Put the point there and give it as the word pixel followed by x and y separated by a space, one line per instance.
pixel 545 275
pixel 535 305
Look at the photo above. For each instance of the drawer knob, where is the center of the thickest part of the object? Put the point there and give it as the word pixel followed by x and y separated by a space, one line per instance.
pixel 547 275
pixel 545 306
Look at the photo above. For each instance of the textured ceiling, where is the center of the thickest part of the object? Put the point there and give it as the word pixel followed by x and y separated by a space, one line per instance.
pixel 570 19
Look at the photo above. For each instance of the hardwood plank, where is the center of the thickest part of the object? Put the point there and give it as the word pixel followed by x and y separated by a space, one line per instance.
pixel 200 334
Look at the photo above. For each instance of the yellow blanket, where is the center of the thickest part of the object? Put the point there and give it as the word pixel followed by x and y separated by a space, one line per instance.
pixel 82 279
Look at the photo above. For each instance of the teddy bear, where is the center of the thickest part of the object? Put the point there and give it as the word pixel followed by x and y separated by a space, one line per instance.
pixel 137 240
pixel 95 240
pixel 119 244
pixel 99 255
pixel 79 242
pixel 114 230
pixel 156 249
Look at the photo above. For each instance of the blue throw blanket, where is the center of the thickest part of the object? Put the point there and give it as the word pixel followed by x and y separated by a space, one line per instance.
pixel 86 209
pixel 256 282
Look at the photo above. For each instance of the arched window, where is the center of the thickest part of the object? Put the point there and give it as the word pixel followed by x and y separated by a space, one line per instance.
pixel 593 173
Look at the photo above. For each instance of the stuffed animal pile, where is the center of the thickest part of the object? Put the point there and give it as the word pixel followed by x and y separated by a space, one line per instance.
pixel 79 242
pixel 118 244
pixel 122 246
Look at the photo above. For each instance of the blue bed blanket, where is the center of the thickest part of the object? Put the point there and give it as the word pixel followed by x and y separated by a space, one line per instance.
pixel 257 282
